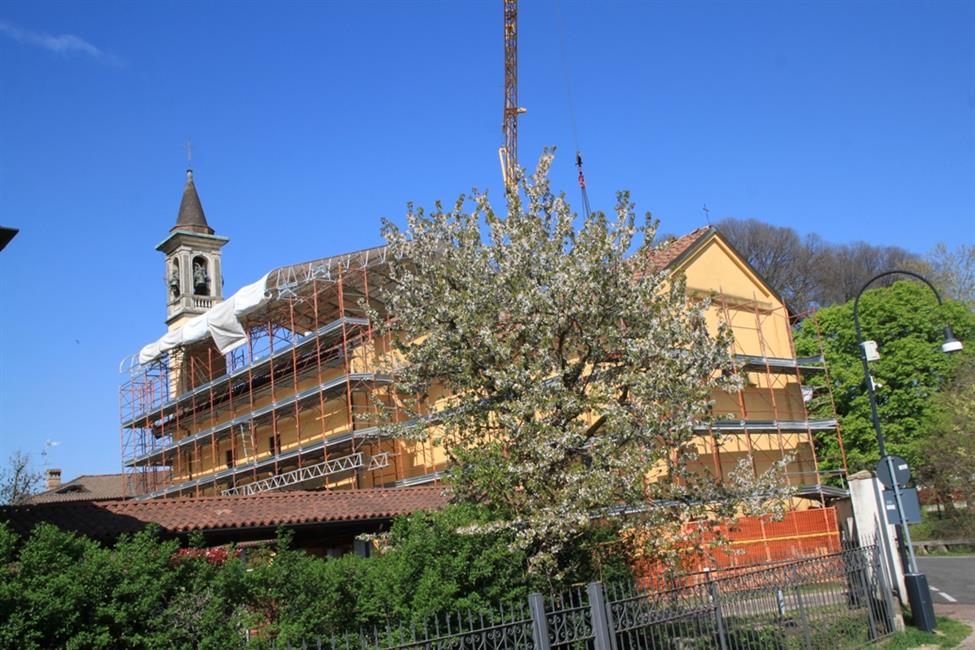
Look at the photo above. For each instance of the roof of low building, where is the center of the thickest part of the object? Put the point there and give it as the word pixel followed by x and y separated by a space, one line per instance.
pixel 670 252
pixel 87 487
pixel 106 520
pixel 675 251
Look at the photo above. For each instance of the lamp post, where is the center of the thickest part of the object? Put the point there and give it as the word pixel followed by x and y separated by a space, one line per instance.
pixel 918 593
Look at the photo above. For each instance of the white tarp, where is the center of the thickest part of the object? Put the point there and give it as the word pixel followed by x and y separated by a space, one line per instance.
pixel 224 327
pixel 221 322
pixel 149 352
pixel 250 297
pixel 195 329
pixel 170 340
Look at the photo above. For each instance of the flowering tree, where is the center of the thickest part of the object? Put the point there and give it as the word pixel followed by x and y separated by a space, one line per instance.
pixel 574 370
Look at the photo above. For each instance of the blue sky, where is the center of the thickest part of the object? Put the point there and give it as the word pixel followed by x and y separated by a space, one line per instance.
pixel 311 121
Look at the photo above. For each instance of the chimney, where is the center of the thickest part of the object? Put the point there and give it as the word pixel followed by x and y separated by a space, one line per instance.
pixel 53 479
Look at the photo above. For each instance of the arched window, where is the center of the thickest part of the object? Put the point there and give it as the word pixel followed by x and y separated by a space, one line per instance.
pixel 201 276
pixel 174 279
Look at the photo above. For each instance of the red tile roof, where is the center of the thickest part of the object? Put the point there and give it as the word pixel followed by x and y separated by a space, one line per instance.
pixel 107 519
pixel 90 487
pixel 667 254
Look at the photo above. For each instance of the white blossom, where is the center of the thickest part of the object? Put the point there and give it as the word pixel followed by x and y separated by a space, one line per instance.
pixel 577 370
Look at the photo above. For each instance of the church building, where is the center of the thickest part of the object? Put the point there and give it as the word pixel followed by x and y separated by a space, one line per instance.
pixel 278 386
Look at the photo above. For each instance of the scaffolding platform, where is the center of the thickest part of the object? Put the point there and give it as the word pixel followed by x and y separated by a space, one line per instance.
pixel 751 362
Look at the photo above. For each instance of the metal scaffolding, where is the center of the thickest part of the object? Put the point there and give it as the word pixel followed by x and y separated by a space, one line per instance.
pixel 310 473
pixel 301 393
pixel 771 422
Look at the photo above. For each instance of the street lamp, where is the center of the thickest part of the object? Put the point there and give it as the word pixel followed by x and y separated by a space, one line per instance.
pixel 918 593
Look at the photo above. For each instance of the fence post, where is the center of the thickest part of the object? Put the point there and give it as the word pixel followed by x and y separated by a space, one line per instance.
pixel 715 596
pixel 892 617
pixel 803 621
pixel 856 568
pixel 536 603
pixel 602 627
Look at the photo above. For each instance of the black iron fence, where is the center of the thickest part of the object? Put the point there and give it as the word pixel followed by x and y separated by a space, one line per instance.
pixel 836 601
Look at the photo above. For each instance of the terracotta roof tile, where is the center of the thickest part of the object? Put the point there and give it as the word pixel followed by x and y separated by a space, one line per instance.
pixel 666 255
pixel 108 519
pixel 88 487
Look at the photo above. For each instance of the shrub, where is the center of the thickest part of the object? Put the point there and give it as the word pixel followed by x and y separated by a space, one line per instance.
pixel 61 590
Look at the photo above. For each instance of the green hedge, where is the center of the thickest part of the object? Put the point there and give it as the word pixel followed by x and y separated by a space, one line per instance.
pixel 62 590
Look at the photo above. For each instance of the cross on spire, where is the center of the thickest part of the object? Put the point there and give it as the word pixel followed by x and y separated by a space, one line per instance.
pixel 189 153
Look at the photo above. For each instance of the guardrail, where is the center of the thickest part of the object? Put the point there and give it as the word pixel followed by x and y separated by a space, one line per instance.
pixel 925 546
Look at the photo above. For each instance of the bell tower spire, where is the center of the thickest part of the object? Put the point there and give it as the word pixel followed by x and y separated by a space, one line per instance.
pixel 194 282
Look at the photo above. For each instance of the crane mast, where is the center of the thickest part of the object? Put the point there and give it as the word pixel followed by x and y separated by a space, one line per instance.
pixel 508 153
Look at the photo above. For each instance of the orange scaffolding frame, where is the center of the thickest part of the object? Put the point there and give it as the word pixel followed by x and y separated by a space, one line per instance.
pixel 782 431
pixel 311 349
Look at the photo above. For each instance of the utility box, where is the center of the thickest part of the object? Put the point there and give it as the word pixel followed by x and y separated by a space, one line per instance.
pixel 919 597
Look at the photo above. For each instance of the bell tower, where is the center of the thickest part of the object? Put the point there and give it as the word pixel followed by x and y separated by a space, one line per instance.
pixel 193 274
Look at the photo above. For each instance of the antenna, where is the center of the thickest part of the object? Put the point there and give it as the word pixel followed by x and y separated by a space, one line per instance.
pixel 47 445
pixel 707 214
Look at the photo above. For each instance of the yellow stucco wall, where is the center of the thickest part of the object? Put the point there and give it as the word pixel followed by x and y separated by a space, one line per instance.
pixel 760 324
pixel 715 270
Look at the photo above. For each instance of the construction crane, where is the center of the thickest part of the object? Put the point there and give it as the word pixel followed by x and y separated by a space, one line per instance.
pixel 508 152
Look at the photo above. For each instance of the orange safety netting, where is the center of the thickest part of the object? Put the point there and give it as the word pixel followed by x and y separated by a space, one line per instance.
pixel 751 541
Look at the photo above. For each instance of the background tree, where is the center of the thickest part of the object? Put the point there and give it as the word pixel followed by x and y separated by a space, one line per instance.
pixel 949 452
pixel 841 270
pixel 809 272
pixel 781 257
pixel 907 325
pixel 953 271
pixel 572 368
pixel 18 480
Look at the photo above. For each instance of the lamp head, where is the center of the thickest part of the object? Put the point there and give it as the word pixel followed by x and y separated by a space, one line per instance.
pixel 951 344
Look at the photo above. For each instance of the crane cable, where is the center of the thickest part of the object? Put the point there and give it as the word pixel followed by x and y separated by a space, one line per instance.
pixel 572 113
pixel 582 184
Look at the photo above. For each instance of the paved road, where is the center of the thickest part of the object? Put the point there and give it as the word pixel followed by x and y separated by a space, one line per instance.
pixel 951 578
